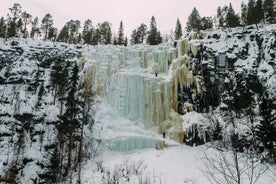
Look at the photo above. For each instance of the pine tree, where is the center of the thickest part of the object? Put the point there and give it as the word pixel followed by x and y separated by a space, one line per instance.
pixel 142 32
pixel 27 19
pixel 13 18
pixel 194 21
pixel 138 35
pixel 46 24
pixel 73 31
pixel 63 35
pixel 178 30
pixel 87 32
pixel 19 27
pixel 121 34
pixel 96 37
pixel 52 35
pixel 104 35
pixel 266 131
pixel 35 29
pixel 154 36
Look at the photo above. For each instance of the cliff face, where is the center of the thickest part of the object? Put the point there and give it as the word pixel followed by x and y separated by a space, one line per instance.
pixel 153 86
pixel 28 110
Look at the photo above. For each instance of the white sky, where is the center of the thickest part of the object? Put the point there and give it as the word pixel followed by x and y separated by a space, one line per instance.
pixel 131 12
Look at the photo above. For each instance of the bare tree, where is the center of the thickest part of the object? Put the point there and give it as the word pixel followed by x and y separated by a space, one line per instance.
pixel 229 167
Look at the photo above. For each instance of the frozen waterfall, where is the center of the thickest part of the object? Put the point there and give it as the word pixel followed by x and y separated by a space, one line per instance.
pixel 141 82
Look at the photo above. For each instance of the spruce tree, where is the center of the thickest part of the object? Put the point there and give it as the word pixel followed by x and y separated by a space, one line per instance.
pixel 232 19
pixel 121 34
pixel 178 30
pixel 154 36
pixel 266 131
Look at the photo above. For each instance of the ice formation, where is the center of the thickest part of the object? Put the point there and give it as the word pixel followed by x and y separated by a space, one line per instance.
pixel 141 81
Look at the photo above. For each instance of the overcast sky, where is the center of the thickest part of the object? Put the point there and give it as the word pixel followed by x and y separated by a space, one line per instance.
pixel 131 12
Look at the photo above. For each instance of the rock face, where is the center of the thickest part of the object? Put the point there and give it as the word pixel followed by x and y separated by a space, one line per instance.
pixel 28 113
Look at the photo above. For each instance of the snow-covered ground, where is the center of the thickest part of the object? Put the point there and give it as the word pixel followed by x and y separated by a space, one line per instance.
pixel 142 160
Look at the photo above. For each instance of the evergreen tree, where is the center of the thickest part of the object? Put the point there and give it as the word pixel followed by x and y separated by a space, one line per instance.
pixel 232 19
pixel 206 23
pixel 46 24
pixel 19 27
pixel 217 131
pixel 96 37
pixel 2 28
pixel 138 35
pixel 266 131
pixel 243 14
pixel 142 32
pixel 259 11
pixel 194 21
pixel 27 19
pixel 52 35
pixel 53 168
pixel 87 32
pixel 103 35
pixel 251 16
pixel 63 35
pixel 13 18
pixel 121 34
pixel 269 10
pixel 178 30
pixel 134 37
pixel 220 17
pixel 125 41
pixel 115 40
pixel 154 36
pixel 73 31
pixel 35 29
